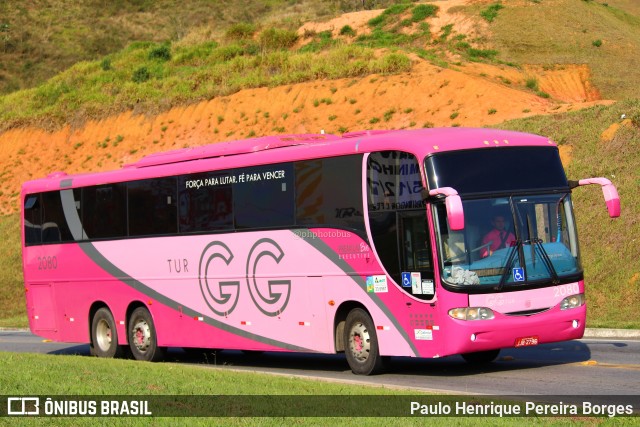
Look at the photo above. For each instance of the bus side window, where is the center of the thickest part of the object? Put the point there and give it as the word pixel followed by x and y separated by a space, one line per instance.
pixel 54 223
pixel 153 207
pixel 264 197
pixel 32 220
pixel 329 192
pixel 104 211
pixel 206 207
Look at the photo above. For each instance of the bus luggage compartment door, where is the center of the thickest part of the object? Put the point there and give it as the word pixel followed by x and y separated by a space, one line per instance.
pixel 42 308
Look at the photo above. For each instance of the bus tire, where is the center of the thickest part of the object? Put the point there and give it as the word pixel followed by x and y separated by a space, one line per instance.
pixel 143 340
pixel 361 344
pixel 104 336
pixel 481 357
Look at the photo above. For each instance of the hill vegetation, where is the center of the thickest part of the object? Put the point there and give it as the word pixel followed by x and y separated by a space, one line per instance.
pixel 41 38
pixel 604 35
pixel 76 65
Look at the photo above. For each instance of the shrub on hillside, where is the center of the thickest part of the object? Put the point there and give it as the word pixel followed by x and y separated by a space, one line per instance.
pixel 423 11
pixel 347 31
pixel 162 53
pixel 106 64
pixel 141 75
pixel 240 31
pixel 277 39
pixel 490 13
pixel 395 63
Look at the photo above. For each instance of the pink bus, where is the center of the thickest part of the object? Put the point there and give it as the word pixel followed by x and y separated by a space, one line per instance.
pixel 374 244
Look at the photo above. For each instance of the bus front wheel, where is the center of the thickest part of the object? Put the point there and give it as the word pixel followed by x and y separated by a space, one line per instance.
pixel 104 337
pixel 143 340
pixel 361 342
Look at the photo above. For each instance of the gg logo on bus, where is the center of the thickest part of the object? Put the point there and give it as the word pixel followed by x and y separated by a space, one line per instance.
pixel 273 304
pixel 223 296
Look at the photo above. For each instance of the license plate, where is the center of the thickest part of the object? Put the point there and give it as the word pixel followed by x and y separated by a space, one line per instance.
pixel 526 341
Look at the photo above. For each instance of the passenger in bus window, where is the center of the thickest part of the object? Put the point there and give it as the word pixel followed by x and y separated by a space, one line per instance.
pixel 499 237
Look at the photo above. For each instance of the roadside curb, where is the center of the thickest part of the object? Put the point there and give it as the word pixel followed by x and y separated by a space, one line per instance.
pixel 611 333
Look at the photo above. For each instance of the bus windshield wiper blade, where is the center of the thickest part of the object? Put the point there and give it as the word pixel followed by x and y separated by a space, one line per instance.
pixel 547 261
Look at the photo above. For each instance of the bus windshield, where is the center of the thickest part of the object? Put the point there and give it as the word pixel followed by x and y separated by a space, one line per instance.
pixel 509 242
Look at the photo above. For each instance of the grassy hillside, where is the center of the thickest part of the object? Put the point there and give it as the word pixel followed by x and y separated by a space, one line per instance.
pixel 149 77
pixel 12 303
pixel 40 38
pixel 605 35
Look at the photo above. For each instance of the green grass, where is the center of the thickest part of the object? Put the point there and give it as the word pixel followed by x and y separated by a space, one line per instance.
pixel 38 40
pixel 58 376
pixel 193 73
pixel 12 301
pixel 156 74
pixel 491 12
pixel 563 32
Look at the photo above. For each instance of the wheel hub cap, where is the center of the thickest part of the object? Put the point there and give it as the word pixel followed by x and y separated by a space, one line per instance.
pixel 359 342
pixel 141 336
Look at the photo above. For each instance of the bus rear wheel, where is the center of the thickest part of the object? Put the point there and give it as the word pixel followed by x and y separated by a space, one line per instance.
pixel 361 342
pixel 143 340
pixel 481 357
pixel 104 336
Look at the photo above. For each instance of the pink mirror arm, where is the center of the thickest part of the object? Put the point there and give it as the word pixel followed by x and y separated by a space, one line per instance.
pixel 453 203
pixel 611 197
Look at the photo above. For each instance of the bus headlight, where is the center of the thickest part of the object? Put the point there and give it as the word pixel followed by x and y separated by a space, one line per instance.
pixel 572 301
pixel 471 313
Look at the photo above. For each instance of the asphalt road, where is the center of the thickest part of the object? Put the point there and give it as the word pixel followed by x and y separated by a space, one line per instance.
pixel 588 367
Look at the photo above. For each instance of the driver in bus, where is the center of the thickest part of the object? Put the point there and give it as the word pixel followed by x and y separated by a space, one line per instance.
pixel 497 238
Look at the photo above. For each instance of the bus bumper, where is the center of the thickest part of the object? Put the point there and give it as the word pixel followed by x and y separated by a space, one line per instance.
pixel 516 331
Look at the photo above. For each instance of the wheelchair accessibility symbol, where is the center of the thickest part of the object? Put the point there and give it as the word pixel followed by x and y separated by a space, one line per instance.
pixel 406 279
pixel 518 274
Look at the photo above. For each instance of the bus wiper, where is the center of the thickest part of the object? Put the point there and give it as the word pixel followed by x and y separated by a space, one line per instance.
pixel 510 258
pixel 547 261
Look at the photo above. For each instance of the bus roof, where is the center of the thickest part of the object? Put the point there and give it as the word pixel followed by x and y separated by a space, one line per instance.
pixel 283 148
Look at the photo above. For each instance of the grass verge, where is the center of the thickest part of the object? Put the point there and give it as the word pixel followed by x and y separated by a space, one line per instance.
pixel 45 375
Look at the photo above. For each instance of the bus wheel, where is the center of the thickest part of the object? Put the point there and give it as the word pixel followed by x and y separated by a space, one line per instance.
pixel 361 342
pixel 104 337
pixel 143 340
pixel 481 357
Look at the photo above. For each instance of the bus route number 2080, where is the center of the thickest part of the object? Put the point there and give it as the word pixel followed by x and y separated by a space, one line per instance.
pixel 47 262
pixel 566 290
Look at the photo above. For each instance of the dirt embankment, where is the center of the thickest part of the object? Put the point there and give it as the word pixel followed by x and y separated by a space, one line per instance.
pixel 469 95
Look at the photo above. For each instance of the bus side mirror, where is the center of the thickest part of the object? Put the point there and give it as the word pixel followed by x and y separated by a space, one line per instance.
pixel 611 197
pixel 453 203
